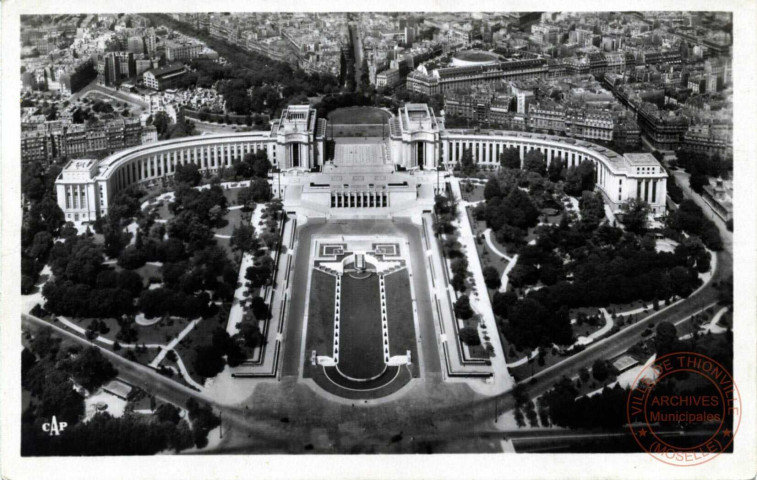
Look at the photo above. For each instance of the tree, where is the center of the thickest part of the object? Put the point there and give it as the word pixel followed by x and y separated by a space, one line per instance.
pixel 161 121
pixel 467 165
pixel 519 211
pixel 244 198
pixel 250 333
pixel 458 283
pixel 459 266
pixel 41 245
pixel 243 238
pixel 46 215
pixel 259 308
pixel 579 179
pixel 207 361
pixel 674 191
pixel 635 214
pixel 684 280
pixel 260 164
pixel 188 227
pixel 168 413
pixel 470 336
pixel 188 173
pixel 501 301
pixel 91 369
pixel 690 218
pixel 58 397
pixel 203 421
pixel 698 181
pixel 260 273
pixel 592 208
pixel 665 338
pixel 492 277
pixel 601 370
pixel 131 258
pixel 510 234
pixel 533 161
pixel 555 169
pixel 492 189
pixel 530 324
pixel 260 191
pixel 510 158
pixel 342 68
pixel 463 308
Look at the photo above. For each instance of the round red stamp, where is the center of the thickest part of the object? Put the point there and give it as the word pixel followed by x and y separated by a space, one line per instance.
pixel 684 409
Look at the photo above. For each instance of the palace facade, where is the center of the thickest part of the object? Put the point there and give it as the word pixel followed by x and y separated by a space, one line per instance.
pixel 417 142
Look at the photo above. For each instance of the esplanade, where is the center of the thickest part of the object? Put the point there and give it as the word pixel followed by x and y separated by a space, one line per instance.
pixel 296 144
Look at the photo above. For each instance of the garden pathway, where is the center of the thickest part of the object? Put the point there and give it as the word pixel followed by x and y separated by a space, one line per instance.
pixel 511 260
pixel 479 302
pixel 237 308
pixel 106 341
pixel 166 348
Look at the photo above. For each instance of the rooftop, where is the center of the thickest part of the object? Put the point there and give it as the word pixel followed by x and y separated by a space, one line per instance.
pixel 417 116
pixel 79 165
pixel 168 69
pixel 297 118
pixel 641 159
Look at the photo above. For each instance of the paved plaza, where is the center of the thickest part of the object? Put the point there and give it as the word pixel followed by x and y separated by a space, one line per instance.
pixel 360 154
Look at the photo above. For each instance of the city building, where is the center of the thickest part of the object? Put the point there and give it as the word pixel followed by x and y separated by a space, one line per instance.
pixel 77 195
pixel 164 77
pixel 113 67
pixel 709 139
pixel 589 124
pixel 136 45
pixel 546 116
pixel 149 134
pixel 482 105
pixel 35 146
pixel 388 78
pixel 420 82
pixel 524 98
pixel 663 129
pixel 454 78
pixel 177 50
pixel 546 34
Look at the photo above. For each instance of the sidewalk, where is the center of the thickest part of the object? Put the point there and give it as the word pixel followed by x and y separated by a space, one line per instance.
pixel 237 311
pixel 480 300
pixel 165 349
pixel 277 299
pixel 512 261
pixel 449 352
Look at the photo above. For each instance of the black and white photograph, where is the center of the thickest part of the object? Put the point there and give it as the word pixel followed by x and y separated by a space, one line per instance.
pixel 379 236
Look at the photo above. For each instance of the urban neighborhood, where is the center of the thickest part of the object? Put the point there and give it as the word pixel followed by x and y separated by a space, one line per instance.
pixel 366 233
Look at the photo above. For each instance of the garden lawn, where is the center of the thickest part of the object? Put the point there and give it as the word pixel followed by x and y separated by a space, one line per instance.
pixel 399 311
pixel 225 243
pixel 162 332
pixel 231 195
pixel 474 195
pixel 361 353
pixel 358 115
pixel 112 323
pixel 476 351
pixel 320 330
pixel 146 271
pixel 234 218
